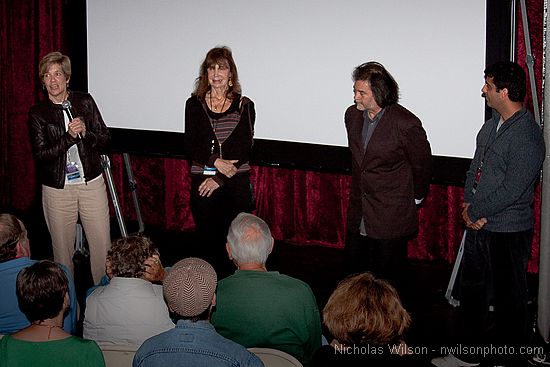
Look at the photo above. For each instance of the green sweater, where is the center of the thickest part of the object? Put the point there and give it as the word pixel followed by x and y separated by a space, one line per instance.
pixel 72 351
pixel 269 310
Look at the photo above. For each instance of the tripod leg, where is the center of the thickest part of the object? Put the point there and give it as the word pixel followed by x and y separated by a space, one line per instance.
pixel 449 293
pixel 79 237
pixel 106 163
pixel 133 189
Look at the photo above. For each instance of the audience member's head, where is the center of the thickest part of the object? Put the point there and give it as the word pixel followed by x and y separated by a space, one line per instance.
pixel 13 238
pixel 364 310
pixel 127 256
pixel 189 289
pixel 249 240
pixel 42 291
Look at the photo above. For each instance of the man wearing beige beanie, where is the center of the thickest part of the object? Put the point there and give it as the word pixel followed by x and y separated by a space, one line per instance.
pixel 189 291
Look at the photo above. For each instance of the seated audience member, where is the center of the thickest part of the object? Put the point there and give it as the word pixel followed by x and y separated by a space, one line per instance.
pixel 129 309
pixel 365 317
pixel 154 272
pixel 260 308
pixel 189 290
pixel 42 292
pixel 15 255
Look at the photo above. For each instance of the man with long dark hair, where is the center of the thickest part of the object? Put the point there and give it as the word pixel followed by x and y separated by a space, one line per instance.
pixel 391 172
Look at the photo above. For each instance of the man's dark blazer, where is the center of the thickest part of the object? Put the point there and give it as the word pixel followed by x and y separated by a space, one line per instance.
pixel 395 169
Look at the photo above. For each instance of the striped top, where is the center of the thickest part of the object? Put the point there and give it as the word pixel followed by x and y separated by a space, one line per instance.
pixel 223 125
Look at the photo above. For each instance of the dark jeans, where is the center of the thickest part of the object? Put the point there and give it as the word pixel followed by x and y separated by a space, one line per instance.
pixel 385 258
pixel 213 216
pixel 494 273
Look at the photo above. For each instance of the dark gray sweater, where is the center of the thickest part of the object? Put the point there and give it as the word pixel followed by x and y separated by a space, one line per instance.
pixel 512 158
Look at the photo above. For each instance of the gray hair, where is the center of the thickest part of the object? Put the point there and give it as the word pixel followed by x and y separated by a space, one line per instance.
pixel 12 232
pixel 249 239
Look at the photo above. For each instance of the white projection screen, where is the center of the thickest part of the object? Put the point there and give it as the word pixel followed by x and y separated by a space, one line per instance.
pixel 295 59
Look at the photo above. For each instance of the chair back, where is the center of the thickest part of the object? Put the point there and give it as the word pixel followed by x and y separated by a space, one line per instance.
pixel 275 358
pixel 118 355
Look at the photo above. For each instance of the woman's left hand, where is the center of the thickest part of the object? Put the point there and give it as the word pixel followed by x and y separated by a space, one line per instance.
pixel 77 127
pixel 207 187
pixel 226 167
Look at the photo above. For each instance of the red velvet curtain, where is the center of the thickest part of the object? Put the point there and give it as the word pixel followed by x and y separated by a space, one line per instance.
pixel 30 29
pixel 301 207
pixel 535 16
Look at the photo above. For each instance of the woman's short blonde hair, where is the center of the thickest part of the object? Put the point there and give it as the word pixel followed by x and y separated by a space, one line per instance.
pixel 365 310
pixel 54 58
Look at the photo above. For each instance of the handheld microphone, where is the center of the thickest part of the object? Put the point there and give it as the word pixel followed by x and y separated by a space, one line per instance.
pixel 67 107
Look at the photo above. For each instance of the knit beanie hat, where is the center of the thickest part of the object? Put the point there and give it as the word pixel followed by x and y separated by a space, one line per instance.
pixel 189 286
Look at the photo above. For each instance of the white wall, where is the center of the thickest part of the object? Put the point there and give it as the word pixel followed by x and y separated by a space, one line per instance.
pixel 295 59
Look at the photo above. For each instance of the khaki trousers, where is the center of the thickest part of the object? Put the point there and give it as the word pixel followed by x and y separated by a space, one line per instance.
pixel 61 210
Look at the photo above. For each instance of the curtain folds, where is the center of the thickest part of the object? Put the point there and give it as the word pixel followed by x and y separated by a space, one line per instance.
pixel 301 207
pixel 30 29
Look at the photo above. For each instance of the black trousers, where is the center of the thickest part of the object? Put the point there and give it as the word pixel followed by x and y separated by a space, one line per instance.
pixel 213 216
pixel 494 273
pixel 385 258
